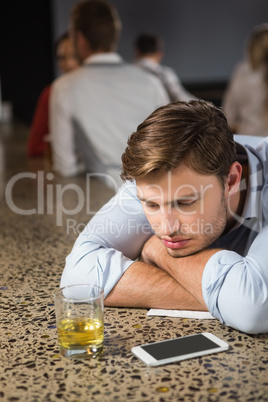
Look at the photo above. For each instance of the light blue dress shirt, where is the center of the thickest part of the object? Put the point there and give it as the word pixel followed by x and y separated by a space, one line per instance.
pixel 235 280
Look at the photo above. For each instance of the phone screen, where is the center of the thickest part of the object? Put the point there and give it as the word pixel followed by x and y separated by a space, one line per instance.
pixel 180 346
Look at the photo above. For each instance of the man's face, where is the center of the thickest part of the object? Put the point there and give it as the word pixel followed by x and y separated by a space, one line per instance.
pixel 66 57
pixel 186 210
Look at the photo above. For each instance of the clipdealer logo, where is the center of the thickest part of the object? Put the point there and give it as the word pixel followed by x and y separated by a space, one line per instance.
pixel 54 199
pixel 50 196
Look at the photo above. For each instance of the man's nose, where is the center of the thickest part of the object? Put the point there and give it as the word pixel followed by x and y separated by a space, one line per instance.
pixel 170 223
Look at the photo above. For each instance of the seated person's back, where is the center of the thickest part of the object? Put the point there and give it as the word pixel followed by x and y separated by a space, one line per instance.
pixel 95 108
pixel 149 52
pixel 245 101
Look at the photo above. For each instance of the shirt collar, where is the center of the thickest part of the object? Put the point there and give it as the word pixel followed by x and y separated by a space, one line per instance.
pixel 252 207
pixel 148 63
pixel 104 58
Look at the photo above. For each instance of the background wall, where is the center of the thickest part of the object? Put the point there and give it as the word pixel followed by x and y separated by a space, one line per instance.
pixel 204 40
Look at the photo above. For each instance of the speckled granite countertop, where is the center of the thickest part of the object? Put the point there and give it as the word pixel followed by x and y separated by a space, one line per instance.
pixel 33 250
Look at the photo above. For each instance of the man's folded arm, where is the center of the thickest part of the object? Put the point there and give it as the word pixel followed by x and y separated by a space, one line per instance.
pixel 126 283
pixel 233 287
pixel 236 288
pixel 145 285
pixel 105 254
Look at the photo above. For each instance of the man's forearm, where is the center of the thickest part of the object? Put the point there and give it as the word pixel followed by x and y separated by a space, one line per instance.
pixel 187 271
pixel 145 285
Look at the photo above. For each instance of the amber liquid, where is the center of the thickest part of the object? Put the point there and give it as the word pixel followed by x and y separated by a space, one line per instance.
pixel 80 333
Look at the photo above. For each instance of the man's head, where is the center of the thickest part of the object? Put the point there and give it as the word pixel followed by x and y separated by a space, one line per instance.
pixel 95 27
pixel 183 160
pixel 149 45
pixel 193 133
pixel 257 47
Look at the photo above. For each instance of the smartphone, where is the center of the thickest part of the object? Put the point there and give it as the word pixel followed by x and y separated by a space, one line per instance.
pixel 174 350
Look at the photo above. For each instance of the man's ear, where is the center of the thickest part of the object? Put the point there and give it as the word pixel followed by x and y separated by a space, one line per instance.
pixel 234 178
pixel 82 45
pixel 159 56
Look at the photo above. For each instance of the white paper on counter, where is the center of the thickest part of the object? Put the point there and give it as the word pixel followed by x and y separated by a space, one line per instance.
pixel 203 315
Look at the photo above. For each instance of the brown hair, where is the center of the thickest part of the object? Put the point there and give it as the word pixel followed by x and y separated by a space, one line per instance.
pixel 195 133
pixel 99 22
pixel 148 43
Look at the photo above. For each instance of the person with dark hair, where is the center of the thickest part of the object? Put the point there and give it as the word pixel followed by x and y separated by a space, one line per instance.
pixel 149 52
pixel 94 108
pixel 188 229
pixel 245 101
pixel 66 57
pixel 39 130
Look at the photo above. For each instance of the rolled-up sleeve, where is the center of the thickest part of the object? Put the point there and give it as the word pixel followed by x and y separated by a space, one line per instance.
pixel 94 264
pixel 235 288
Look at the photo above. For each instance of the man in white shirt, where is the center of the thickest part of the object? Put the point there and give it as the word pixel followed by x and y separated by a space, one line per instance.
pixel 95 108
pixel 149 52
pixel 189 228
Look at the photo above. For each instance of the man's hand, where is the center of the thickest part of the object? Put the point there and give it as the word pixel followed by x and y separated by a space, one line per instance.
pixel 145 285
pixel 187 271
pixel 159 280
pixel 154 252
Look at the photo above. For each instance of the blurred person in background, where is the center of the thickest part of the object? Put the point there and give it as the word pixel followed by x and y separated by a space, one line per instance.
pixel 245 101
pixel 39 130
pixel 149 52
pixel 95 108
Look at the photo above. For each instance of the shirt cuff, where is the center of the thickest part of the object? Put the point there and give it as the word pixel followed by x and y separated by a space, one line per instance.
pixel 214 276
pixel 112 265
